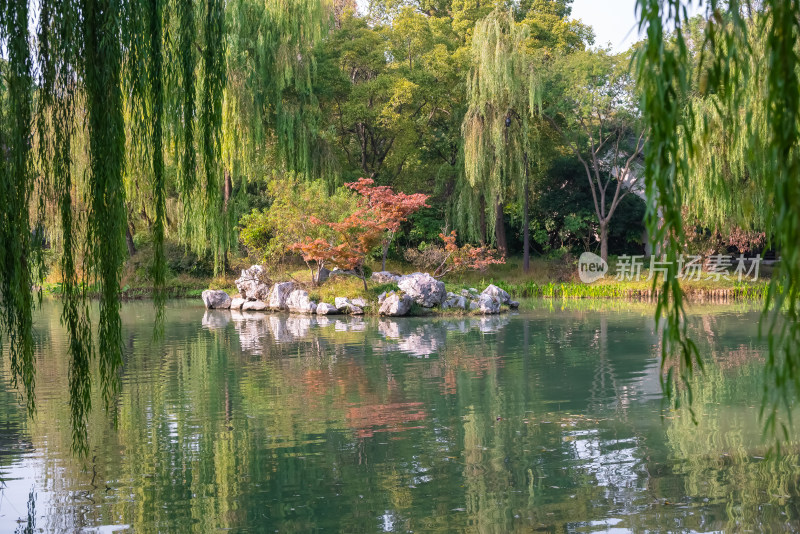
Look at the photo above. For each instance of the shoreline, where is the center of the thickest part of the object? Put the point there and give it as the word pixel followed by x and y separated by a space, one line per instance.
pixel 550 291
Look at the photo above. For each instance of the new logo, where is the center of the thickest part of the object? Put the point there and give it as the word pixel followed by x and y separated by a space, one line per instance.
pixel 591 267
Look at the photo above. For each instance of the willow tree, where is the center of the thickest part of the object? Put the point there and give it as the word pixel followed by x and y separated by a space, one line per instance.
pixel 103 72
pixel 498 129
pixel 272 67
pixel 741 43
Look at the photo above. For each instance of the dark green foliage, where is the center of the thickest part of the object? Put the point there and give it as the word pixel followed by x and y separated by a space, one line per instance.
pixel 211 123
pixel 16 185
pixel 156 72
pixel 186 34
pixel 106 218
pixel 563 216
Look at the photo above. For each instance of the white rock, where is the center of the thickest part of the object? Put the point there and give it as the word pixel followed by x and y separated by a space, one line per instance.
pixel 356 310
pixel 473 305
pixel 426 290
pixel 456 301
pixel 254 305
pixel 513 304
pixel 396 304
pixel 384 277
pixel 381 297
pixel 494 291
pixel 216 299
pixel 237 303
pixel 344 305
pixel 489 304
pixel 279 294
pixel 323 308
pixel 360 302
pixel 298 302
pixel 254 283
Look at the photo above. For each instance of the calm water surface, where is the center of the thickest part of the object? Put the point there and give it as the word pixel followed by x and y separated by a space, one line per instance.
pixel 547 420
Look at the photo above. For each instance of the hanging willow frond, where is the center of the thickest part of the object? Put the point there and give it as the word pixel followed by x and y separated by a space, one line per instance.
pixel 742 138
pixel 16 185
pixel 273 48
pixel 106 219
pixel 103 71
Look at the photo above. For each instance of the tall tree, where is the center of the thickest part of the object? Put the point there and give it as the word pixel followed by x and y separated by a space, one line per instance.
pixel 498 128
pixel 591 102
pixel 94 57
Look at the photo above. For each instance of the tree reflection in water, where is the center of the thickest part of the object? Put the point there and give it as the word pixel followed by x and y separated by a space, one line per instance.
pixel 549 420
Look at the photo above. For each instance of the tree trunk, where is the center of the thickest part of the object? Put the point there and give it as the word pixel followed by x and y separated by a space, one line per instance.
pixel 363 276
pixel 483 220
pixel 500 230
pixel 385 253
pixel 227 190
pixel 129 240
pixel 526 232
pixel 604 240
pixel 526 236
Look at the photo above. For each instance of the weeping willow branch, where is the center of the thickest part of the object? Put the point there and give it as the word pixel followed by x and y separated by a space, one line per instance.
pixel 107 216
pixel 16 184
pixel 156 72
pixel 186 36
pixel 211 119
pixel 755 170
pixel 58 55
pixel 498 126
pixel 103 70
pixel 274 53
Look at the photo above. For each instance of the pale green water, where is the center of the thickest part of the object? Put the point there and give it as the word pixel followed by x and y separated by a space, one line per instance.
pixel 547 420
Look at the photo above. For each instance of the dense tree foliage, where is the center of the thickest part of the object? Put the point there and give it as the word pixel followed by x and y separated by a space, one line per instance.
pixel 593 105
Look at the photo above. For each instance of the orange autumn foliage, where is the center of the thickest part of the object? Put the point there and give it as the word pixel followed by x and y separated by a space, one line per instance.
pixel 466 258
pixel 379 215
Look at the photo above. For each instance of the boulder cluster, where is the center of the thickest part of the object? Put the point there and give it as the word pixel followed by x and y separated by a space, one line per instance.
pixel 258 293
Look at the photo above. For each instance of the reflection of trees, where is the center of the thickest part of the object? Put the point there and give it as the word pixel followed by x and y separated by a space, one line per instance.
pixel 346 424
pixel 720 459
pixel 28 525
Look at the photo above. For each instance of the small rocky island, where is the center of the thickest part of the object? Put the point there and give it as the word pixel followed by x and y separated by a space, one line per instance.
pixel 258 293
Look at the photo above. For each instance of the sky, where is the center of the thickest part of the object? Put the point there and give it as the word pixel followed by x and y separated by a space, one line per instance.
pixel 614 21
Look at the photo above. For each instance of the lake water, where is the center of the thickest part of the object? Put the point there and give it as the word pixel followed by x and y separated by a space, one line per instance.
pixel 550 419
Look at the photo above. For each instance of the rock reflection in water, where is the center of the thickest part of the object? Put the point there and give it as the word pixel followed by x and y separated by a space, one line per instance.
pixel 216 319
pixel 416 337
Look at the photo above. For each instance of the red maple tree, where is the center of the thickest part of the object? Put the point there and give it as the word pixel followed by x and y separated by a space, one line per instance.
pixel 466 258
pixel 379 215
pixel 390 209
